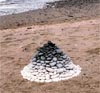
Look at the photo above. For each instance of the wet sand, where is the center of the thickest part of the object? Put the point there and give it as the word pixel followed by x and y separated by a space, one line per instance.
pixel 62 12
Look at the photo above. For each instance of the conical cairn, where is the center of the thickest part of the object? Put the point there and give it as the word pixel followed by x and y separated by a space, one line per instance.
pixel 50 64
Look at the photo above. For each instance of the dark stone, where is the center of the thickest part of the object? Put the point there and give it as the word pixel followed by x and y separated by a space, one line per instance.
pixel 48 52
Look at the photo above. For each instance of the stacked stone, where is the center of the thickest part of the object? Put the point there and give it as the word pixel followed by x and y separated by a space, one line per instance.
pixel 50 64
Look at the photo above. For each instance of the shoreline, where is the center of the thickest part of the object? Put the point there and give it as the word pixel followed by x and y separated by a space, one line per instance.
pixel 50 15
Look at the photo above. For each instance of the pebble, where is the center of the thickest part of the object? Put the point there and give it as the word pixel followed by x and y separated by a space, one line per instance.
pixel 42 62
pixel 59 65
pixel 36 67
pixel 40 54
pixel 47 77
pixel 41 67
pixel 60 70
pixel 53 52
pixel 49 69
pixel 58 50
pixel 53 64
pixel 68 59
pixel 34 63
pixel 34 59
pixel 60 59
pixel 64 56
pixel 51 73
pixel 38 61
pixel 42 58
pixel 47 65
pixel 38 64
pixel 47 61
pixel 54 67
pixel 54 59
pixel 54 76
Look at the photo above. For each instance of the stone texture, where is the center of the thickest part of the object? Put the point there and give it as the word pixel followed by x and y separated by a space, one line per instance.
pixel 50 64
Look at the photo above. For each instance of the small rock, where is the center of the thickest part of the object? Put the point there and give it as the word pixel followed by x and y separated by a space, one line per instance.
pixel 54 67
pixel 47 62
pixel 47 65
pixel 49 69
pixel 53 64
pixel 65 56
pixel 51 73
pixel 60 59
pixel 34 59
pixel 53 52
pixel 58 51
pixel 49 59
pixel 36 67
pixel 60 70
pixel 59 65
pixel 38 64
pixel 55 76
pixel 34 63
pixel 47 77
pixel 42 62
pixel 40 54
pixel 38 61
pixel 41 67
pixel 54 59
pixel 42 58
pixel 67 59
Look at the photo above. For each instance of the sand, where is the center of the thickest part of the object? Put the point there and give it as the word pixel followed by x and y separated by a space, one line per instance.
pixel 80 40
pixel 79 37
pixel 63 13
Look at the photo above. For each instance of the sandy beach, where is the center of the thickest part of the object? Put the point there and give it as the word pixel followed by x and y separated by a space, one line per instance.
pixel 64 12
pixel 75 30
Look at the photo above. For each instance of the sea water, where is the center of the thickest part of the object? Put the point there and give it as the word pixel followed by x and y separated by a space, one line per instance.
pixel 16 6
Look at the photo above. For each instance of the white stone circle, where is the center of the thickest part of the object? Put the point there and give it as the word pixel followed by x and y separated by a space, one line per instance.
pixel 41 74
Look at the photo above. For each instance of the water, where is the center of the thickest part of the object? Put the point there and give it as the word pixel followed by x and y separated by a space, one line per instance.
pixel 17 6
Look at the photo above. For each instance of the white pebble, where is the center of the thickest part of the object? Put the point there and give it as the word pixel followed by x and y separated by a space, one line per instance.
pixel 49 69
pixel 59 65
pixel 54 59
pixel 42 62
pixel 47 61
pixel 53 63
pixel 60 70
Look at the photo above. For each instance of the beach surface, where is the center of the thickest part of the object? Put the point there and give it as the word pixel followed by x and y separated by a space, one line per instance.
pixel 77 33
pixel 80 40
pixel 56 12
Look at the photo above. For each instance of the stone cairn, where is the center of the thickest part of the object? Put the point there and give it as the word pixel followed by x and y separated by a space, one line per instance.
pixel 50 64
